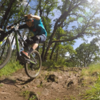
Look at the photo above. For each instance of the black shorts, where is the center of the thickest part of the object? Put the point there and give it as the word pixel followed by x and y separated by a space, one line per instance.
pixel 36 39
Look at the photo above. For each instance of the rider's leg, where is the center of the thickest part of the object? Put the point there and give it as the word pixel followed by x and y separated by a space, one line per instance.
pixel 33 40
pixel 36 40
pixel 35 45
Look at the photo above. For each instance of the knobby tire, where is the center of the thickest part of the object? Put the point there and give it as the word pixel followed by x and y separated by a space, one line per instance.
pixel 5 52
pixel 32 70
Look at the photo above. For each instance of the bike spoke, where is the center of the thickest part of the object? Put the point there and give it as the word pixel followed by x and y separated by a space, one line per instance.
pixel 32 69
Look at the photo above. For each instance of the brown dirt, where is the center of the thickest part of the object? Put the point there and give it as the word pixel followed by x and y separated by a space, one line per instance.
pixel 49 85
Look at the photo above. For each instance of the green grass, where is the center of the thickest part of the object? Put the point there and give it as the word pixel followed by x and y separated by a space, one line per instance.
pixel 94 92
pixel 11 67
pixel 1 85
pixel 26 95
pixel 92 73
pixel 92 68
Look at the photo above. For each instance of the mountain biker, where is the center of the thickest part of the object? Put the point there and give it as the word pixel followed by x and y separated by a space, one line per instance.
pixel 36 26
pixel 40 34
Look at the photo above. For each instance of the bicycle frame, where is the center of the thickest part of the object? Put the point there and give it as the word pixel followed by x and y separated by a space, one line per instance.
pixel 16 40
pixel 17 45
pixel 32 65
pixel 16 33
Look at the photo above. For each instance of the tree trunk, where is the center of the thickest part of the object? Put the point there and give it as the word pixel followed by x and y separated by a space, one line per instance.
pixel 7 12
pixel 57 54
pixel 2 6
pixel 43 49
pixel 53 51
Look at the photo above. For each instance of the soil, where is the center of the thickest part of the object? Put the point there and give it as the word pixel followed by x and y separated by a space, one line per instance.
pixel 48 85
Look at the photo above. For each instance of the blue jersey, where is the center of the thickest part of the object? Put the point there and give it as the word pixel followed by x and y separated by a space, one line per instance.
pixel 38 28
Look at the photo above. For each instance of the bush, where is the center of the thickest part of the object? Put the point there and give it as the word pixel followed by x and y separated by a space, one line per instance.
pixel 50 64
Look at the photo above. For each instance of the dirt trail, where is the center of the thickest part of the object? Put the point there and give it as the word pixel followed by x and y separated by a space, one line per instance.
pixel 49 85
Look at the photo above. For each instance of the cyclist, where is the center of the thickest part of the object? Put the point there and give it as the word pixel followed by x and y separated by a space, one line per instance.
pixel 36 26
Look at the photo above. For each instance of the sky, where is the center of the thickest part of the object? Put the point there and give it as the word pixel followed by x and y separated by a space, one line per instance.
pixel 80 41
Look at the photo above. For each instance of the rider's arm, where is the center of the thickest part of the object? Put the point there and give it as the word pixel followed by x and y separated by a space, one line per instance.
pixel 20 27
pixel 4 34
pixel 23 26
pixel 1 31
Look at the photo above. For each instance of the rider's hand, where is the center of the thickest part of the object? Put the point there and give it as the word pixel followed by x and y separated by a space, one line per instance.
pixel 10 27
pixel 28 16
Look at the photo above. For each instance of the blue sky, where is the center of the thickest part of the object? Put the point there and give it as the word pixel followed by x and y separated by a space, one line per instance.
pixel 80 41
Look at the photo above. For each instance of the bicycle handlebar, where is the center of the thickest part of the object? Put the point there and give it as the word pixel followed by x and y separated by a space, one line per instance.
pixel 8 27
pixel 23 20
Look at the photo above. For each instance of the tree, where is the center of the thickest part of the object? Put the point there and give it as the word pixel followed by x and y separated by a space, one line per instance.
pixel 87 53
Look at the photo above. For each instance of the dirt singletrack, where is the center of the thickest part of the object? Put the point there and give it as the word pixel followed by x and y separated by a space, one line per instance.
pixel 49 85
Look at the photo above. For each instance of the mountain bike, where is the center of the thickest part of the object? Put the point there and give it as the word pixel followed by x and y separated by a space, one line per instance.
pixel 32 65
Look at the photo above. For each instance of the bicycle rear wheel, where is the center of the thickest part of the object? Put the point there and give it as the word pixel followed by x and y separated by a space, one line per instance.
pixel 33 65
pixel 5 52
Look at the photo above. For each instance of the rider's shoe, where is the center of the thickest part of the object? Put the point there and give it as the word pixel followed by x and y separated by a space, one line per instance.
pixel 25 54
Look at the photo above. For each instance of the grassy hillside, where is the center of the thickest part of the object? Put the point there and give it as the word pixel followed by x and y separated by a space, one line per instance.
pixel 11 67
pixel 92 79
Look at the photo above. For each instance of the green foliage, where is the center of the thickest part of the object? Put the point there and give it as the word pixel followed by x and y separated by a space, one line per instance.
pixel 60 31
pixel 51 64
pixel 61 62
pixel 86 54
pixel 11 67
pixel 12 11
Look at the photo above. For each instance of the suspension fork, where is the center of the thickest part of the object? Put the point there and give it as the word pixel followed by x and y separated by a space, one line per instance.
pixel 4 45
pixel 3 40
pixel 17 44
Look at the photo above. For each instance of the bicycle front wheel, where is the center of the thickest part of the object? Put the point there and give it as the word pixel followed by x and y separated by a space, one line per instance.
pixel 33 66
pixel 5 52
